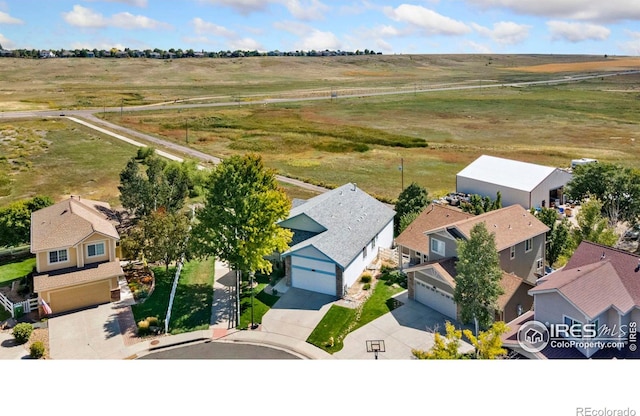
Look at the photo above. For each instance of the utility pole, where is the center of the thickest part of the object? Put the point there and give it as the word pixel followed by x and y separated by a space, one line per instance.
pixel 121 105
pixel 253 324
pixel 401 168
pixel 186 130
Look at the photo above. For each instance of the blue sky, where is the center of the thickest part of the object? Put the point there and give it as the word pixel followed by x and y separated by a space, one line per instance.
pixel 419 26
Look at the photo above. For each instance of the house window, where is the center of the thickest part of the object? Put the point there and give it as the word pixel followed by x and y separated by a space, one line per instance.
pixel 96 249
pixel 437 246
pixel 528 245
pixel 364 253
pixel 58 256
pixel 574 325
pixel 539 264
pixel 512 253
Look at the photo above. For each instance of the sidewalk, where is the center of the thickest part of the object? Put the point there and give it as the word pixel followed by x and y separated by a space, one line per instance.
pixel 222 326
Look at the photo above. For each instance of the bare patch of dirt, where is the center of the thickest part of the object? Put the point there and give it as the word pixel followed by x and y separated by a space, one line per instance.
pixel 608 64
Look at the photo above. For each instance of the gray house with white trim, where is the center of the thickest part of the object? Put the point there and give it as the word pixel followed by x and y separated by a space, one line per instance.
pixel 336 236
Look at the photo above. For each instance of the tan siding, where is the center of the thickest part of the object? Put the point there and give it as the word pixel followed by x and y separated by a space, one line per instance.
pixel 77 297
pixel 44 266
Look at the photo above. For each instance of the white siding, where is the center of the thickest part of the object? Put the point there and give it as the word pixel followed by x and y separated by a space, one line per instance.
pixel 510 196
pixel 312 270
pixel 359 264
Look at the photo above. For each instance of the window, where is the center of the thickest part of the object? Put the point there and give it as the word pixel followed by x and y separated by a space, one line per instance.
pixel 512 254
pixel 539 264
pixel 58 256
pixel 574 325
pixel 437 246
pixel 528 245
pixel 96 249
pixel 364 253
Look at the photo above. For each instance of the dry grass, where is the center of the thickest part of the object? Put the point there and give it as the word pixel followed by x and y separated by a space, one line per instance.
pixel 315 140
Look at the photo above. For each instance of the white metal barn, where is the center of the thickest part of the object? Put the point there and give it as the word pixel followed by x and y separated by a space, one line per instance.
pixel 336 236
pixel 526 184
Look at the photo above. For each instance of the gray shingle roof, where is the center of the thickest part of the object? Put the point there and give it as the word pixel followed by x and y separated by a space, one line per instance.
pixel 352 218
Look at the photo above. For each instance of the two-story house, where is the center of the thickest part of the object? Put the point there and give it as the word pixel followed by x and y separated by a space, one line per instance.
pixel 520 241
pixel 75 248
pixel 594 300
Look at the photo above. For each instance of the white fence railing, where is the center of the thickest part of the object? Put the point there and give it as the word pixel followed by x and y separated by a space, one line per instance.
pixel 27 306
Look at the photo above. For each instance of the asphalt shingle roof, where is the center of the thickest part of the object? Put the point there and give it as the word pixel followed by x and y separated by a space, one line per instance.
pixel 67 223
pixel 351 218
pixel 432 217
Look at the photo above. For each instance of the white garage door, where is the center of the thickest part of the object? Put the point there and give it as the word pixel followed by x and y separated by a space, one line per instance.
pixel 435 299
pixel 315 281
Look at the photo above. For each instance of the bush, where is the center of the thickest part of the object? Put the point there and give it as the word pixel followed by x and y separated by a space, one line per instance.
pixel 143 327
pixel 22 332
pixel 37 350
pixel 153 321
pixel 366 286
pixel 365 278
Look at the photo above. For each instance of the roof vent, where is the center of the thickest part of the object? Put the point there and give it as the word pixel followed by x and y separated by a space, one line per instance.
pixel 509 226
pixel 355 187
pixel 495 225
pixel 603 256
pixel 529 223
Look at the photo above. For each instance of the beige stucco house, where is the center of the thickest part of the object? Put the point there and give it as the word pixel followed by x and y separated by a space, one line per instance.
pixel 75 247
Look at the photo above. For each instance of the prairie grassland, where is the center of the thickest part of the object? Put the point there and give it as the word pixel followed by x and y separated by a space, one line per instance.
pixel 360 140
pixel 58 158
pixel 363 140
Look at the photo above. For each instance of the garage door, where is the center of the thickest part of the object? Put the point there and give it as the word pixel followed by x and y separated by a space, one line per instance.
pixel 81 296
pixel 436 299
pixel 315 281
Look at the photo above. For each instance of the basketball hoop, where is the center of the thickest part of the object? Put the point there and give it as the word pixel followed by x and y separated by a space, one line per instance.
pixel 375 346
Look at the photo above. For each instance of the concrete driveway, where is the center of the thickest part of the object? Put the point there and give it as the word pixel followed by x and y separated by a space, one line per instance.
pixel 411 326
pixel 92 334
pixel 297 313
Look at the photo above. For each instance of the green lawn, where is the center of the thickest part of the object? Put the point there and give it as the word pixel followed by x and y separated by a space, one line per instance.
pixel 192 304
pixel 262 302
pixel 339 321
pixel 16 270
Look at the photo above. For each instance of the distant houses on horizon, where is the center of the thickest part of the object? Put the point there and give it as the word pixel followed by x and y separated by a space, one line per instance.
pixel 165 54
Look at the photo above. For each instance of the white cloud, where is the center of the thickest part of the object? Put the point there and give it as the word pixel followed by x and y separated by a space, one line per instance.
pixel 206 28
pixel 232 40
pixel 631 47
pixel 297 28
pixel 243 6
pixel 6 19
pixel 504 33
pixel 245 44
pixel 577 32
pixel 126 20
pixel 102 45
pixel 85 17
pixel 427 20
pixel 319 41
pixel 137 3
pixel 597 11
pixel 307 10
pixel 477 47
pixel 6 43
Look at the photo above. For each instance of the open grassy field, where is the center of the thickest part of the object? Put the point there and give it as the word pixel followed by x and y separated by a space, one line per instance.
pixel 362 140
pixel 436 134
pixel 58 158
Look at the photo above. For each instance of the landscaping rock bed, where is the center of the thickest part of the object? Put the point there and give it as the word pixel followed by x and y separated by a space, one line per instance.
pixel 141 281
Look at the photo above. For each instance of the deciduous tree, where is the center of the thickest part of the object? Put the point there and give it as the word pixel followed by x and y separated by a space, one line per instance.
pixel 160 236
pixel 15 220
pixel 238 222
pixel 478 276
pixel 444 347
pixel 413 199
pixel 488 344
pixel 592 226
